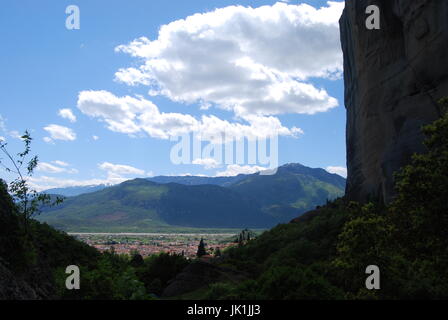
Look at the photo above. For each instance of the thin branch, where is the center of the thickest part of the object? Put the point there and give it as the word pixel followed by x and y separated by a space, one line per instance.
pixel 13 162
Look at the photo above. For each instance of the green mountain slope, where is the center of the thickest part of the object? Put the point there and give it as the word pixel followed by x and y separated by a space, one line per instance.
pixel 142 205
pixel 199 180
pixel 252 201
pixel 293 190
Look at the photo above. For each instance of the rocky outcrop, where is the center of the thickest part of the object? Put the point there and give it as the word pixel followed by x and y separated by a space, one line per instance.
pixel 393 79
pixel 13 287
pixel 200 274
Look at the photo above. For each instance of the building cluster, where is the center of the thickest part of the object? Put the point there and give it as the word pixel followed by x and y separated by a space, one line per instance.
pixel 186 247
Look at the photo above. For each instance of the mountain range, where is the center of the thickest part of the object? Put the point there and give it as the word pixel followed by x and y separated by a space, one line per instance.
pixel 252 200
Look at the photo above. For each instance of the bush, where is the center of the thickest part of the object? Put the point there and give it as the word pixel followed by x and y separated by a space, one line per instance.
pixel 157 270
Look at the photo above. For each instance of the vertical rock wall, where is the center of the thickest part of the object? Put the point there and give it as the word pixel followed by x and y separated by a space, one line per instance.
pixel 393 79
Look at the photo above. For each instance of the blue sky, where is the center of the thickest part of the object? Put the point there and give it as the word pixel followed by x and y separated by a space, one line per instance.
pixel 258 71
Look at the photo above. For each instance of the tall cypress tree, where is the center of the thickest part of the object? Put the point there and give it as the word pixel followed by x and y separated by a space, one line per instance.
pixel 201 249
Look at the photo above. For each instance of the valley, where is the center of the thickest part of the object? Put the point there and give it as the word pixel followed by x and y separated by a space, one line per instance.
pixel 182 204
pixel 146 244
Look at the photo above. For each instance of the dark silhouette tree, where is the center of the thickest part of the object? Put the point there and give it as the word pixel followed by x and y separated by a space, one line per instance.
pixel 137 259
pixel 201 249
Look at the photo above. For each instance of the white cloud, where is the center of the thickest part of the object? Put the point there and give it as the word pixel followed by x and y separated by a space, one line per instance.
pixel 208 163
pixel 47 139
pixel 114 174
pixel 254 61
pixel 59 133
pixel 44 182
pixel 67 114
pixel 342 171
pixel 234 170
pixel 131 115
pixel 12 133
pixel 95 138
pixel 15 134
pixel 120 169
pixel 60 163
pixel 50 168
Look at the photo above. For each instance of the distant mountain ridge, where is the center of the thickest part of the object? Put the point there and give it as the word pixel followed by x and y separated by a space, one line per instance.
pixel 199 180
pixel 75 190
pixel 253 200
pixel 185 180
pixel 192 180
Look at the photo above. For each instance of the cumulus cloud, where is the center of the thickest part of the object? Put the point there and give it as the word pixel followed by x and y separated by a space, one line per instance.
pixel 67 114
pixel 120 169
pixel 47 139
pixel 60 163
pixel 235 169
pixel 342 171
pixel 42 183
pixel 114 174
pixel 254 61
pixel 117 173
pixel 58 132
pixel 59 168
pixel 132 115
pixel 207 163
pixel 15 134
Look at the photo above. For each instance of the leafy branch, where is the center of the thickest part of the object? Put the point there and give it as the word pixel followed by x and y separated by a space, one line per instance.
pixel 28 200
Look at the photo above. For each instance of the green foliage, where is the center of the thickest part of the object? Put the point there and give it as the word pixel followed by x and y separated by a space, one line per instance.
pixel 420 209
pixel 158 269
pixel 409 239
pixel 119 277
pixel 321 255
pixel 13 243
pixel 290 261
pixel 299 282
pixel 110 278
pixel 136 259
pixel 324 254
pixel 220 291
pixel 28 201
pixel 245 290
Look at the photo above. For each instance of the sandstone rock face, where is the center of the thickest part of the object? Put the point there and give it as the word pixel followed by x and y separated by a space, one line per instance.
pixel 393 79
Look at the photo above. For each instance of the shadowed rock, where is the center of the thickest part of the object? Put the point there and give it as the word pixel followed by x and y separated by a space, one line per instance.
pixel 198 275
pixel 393 79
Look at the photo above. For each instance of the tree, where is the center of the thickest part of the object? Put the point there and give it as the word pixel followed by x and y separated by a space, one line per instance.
pixel 201 249
pixel 409 240
pixel 136 259
pixel 27 199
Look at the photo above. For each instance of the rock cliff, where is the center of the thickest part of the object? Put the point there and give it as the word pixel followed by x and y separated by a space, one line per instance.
pixel 393 79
